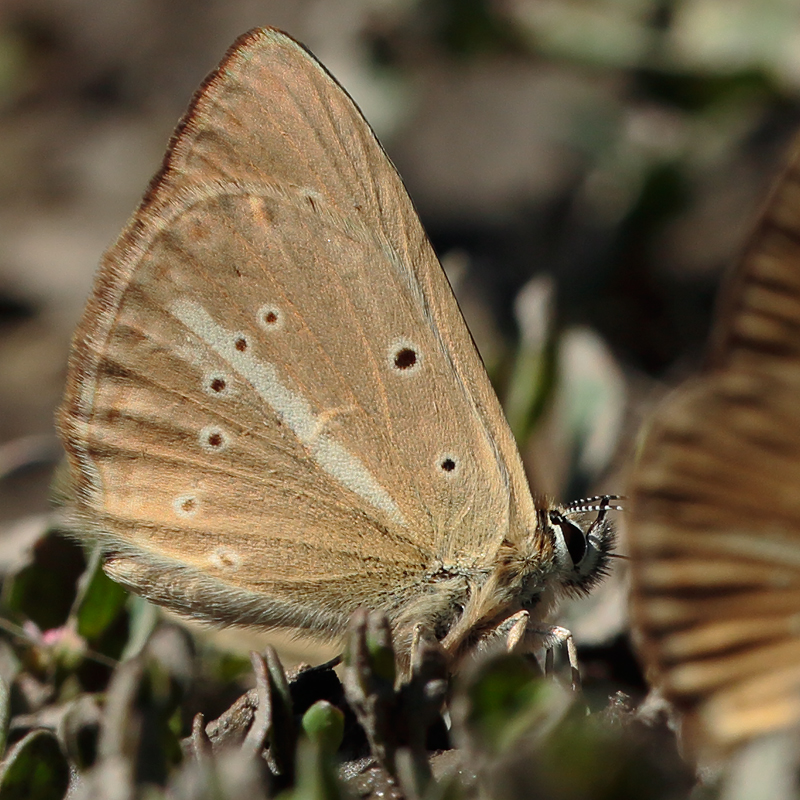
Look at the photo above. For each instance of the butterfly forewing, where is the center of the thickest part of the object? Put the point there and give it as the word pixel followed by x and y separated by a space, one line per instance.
pixel 715 523
pixel 275 412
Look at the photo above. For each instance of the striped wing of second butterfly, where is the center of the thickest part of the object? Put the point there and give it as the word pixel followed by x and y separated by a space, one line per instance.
pixel 715 519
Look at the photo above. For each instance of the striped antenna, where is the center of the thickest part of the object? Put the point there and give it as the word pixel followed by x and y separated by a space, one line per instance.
pixel 597 503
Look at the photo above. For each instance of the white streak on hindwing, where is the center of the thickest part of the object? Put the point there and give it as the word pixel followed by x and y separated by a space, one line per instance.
pixel 292 408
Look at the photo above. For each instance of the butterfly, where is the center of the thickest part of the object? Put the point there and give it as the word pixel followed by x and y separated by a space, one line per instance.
pixel 715 507
pixel 274 411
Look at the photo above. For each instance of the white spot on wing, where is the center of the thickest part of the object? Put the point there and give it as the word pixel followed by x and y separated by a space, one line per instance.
pixel 404 357
pixel 217 384
pixel 213 439
pixel 186 505
pixel 225 558
pixel 292 408
pixel 269 318
pixel 448 465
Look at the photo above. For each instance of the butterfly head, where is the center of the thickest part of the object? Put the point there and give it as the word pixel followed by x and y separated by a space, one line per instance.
pixel 567 552
pixel 582 551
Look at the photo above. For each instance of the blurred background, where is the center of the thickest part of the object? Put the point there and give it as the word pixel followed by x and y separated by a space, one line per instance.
pixel 586 169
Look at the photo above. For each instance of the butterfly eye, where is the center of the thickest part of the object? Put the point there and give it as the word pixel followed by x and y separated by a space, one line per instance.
pixel 574 537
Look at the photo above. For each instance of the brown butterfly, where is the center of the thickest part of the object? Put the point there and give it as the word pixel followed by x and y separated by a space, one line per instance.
pixel 715 523
pixel 275 413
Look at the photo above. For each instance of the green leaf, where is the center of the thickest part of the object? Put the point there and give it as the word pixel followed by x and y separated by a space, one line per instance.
pixel 35 769
pixel 5 713
pixel 143 620
pixel 323 723
pixel 316 777
pixel 99 601
pixel 44 590
pixel 506 699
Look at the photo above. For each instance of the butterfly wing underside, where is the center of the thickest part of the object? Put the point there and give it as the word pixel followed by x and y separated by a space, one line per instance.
pixel 715 521
pixel 274 410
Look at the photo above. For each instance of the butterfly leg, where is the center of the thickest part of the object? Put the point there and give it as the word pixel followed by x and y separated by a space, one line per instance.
pixel 515 627
pixel 522 633
pixel 555 635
